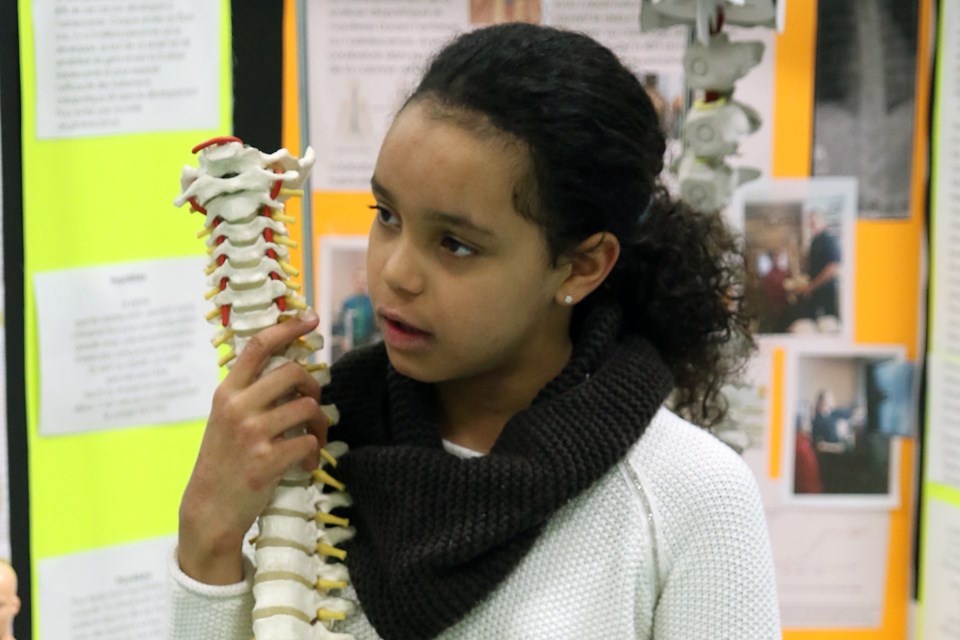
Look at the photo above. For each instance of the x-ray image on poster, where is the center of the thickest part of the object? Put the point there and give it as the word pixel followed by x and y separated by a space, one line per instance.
pixel 864 102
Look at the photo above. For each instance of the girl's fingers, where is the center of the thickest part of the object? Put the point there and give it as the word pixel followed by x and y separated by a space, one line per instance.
pixel 303 450
pixel 280 384
pixel 265 344
pixel 300 411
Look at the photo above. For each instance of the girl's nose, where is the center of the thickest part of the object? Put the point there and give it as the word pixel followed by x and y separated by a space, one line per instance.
pixel 402 268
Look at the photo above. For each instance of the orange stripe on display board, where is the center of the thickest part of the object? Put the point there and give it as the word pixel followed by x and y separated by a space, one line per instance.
pixel 776 414
pixel 290 127
pixel 793 91
pixel 887 289
pixel 342 212
pixel 290 124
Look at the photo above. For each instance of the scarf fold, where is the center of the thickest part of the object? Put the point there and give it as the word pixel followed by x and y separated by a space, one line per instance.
pixel 437 533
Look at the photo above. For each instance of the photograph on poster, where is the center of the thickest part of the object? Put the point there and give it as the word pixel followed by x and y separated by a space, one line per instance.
pixel 500 11
pixel 846 409
pixel 346 313
pixel 799 244
pixel 864 100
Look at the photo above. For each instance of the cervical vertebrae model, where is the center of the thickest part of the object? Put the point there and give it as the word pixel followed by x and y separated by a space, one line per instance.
pixel 241 190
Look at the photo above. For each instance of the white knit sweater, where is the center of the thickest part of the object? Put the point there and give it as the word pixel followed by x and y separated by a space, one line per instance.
pixel 671 544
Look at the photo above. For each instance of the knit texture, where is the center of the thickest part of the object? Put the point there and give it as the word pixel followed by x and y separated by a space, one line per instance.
pixel 670 544
pixel 200 610
pixel 435 533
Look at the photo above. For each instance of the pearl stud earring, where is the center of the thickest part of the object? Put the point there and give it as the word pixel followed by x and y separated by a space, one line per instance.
pixel 568 299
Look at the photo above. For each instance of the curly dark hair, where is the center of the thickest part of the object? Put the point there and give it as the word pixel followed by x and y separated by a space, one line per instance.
pixel 596 151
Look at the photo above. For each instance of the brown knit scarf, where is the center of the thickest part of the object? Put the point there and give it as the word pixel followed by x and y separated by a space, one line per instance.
pixel 436 533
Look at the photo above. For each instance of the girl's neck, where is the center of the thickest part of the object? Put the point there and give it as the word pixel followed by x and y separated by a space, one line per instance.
pixel 474 411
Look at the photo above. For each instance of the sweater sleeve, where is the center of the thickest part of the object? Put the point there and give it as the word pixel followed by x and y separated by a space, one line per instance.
pixel 717 579
pixel 200 611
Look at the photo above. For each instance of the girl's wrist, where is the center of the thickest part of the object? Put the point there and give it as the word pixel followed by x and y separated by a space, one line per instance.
pixel 209 560
pixel 208 553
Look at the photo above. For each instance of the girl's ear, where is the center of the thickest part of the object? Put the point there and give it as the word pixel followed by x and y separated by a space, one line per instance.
pixel 590 263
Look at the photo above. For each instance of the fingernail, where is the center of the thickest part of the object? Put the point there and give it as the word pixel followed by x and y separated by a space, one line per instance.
pixel 310 316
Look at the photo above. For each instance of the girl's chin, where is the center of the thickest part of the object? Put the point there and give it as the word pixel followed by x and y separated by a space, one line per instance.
pixel 407 366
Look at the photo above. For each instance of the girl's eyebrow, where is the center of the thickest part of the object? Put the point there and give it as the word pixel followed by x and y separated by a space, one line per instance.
pixel 456 220
pixel 459 222
pixel 378 189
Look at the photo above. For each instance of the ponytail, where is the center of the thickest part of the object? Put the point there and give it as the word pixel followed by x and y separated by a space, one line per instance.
pixel 679 281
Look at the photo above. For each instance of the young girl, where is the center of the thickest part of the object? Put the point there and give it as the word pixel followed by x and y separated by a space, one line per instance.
pixel 513 469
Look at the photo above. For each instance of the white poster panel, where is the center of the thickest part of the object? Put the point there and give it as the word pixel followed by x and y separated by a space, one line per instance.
pixel 108 67
pixel 115 593
pixel 942 446
pixel 123 345
pixel 941 571
pixel 830 567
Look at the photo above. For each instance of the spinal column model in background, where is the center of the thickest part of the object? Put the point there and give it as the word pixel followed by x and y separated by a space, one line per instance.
pixel 241 191
pixel 715 122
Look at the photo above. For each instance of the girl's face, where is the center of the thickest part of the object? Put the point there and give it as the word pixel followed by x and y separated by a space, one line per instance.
pixel 462 285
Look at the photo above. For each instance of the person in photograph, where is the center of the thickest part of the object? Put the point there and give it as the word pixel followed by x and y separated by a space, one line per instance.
pixel 852 460
pixel 820 296
pixel 775 313
pixel 355 325
pixel 557 331
pixel 835 428
pixel 806 467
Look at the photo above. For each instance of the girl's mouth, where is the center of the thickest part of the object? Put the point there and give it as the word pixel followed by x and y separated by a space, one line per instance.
pixel 399 334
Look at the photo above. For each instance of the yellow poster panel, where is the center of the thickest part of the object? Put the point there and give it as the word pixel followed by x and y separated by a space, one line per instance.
pixel 91 201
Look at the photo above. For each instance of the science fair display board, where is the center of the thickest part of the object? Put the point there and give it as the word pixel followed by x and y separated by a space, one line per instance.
pixel 118 368
pixel 940 485
pixel 826 415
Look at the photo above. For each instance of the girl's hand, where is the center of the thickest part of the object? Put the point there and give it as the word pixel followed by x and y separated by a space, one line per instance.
pixel 243 453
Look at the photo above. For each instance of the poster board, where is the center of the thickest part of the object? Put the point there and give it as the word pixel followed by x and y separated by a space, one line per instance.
pixel 939 569
pixel 102 151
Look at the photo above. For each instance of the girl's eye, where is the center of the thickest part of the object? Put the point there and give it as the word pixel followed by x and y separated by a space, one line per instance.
pixel 385 216
pixel 457 248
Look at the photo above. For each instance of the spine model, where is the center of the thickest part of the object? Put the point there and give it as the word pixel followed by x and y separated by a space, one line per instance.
pixel 241 191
